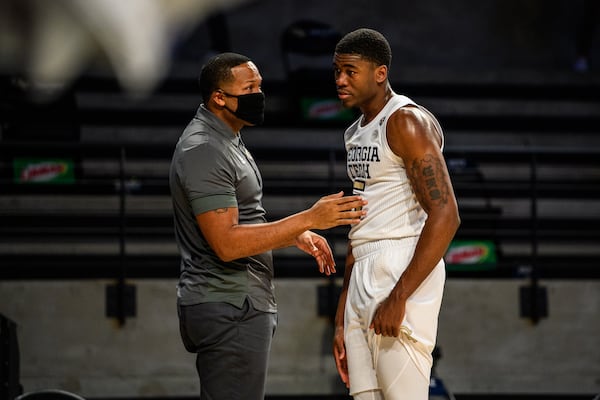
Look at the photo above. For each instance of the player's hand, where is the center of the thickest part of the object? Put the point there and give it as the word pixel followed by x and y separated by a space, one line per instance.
pixel 336 209
pixel 388 317
pixel 339 354
pixel 317 246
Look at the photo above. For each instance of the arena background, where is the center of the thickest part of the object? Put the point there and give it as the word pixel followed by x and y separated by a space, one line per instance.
pixel 88 270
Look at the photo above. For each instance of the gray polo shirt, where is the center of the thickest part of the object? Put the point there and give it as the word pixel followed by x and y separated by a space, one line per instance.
pixel 211 168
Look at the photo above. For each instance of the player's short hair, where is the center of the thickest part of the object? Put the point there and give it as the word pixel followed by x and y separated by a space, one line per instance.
pixel 217 71
pixel 367 43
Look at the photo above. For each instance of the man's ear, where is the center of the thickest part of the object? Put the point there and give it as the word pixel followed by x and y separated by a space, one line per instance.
pixel 381 74
pixel 218 98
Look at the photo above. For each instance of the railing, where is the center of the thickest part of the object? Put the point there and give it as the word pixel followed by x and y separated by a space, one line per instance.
pixel 539 207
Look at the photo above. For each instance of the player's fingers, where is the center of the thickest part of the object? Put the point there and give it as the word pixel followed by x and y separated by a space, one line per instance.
pixel 341 367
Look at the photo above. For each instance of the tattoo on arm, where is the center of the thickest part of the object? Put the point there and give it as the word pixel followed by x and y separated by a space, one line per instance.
pixel 428 180
pixel 221 210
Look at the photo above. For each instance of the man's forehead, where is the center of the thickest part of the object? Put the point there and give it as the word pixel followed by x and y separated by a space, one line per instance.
pixel 246 72
pixel 348 59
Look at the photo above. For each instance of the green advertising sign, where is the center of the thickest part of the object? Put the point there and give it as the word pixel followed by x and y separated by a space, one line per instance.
pixel 43 170
pixel 324 108
pixel 470 255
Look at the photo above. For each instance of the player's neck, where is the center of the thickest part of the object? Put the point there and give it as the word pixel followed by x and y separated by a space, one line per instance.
pixel 376 105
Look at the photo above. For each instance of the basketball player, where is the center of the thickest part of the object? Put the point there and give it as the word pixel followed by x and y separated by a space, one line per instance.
pixel 386 321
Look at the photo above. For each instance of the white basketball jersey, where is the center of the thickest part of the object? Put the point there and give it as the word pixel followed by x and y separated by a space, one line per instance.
pixel 379 176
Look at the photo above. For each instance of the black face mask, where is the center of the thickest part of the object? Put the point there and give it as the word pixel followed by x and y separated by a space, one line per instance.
pixel 251 107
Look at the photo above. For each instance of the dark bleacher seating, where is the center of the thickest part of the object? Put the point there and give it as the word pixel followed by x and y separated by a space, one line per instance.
pixel 530 196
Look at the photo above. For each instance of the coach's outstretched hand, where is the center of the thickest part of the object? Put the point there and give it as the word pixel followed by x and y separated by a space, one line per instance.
pixel 336 209
pixel 317 246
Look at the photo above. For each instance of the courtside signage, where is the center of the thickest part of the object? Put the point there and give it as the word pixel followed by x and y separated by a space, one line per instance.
pixel 470 255
pixel 316 108
pixel 43 170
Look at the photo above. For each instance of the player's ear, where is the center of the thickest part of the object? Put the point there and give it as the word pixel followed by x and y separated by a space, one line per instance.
pixel 381 74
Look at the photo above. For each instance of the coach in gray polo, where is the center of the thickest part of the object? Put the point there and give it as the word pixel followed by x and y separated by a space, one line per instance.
pixel 225 295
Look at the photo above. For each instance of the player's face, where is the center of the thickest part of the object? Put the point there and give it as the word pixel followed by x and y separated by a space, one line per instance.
pixel 355 79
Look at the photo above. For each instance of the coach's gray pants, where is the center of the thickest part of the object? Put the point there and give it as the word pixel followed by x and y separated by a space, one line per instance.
pixel 232 347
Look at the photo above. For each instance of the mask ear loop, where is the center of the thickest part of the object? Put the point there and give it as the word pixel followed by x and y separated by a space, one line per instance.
pixel 227 94
pixel 224 93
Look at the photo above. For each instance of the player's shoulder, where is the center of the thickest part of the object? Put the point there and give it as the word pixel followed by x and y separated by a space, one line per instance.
pixel 408 116
pixel 411 113
pixel 415 122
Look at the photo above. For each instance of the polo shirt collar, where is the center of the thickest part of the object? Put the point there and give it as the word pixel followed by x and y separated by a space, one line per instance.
pixel 218 125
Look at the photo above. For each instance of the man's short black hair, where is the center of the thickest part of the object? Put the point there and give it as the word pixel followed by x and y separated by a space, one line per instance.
pixel 367 43
pixel 217 70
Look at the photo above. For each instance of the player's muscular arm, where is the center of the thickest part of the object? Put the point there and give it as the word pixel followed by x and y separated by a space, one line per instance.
pixel 339 315
pixel 231 240
pixel 413 136
pixel 339 347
